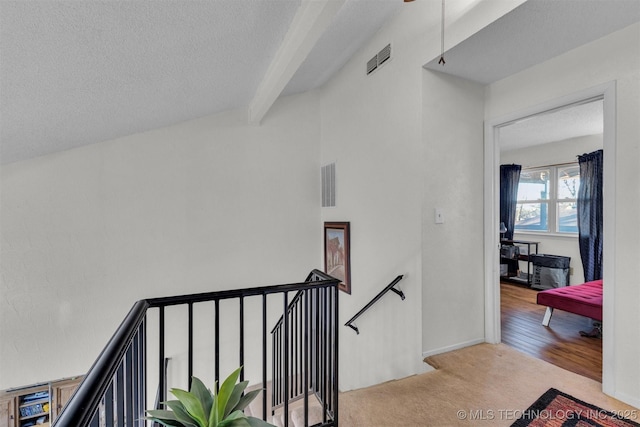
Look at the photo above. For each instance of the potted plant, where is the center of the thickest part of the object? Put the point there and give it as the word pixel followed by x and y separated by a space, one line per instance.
pixel 200 407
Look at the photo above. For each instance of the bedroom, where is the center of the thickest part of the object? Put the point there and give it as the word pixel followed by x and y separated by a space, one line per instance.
pixel 546 146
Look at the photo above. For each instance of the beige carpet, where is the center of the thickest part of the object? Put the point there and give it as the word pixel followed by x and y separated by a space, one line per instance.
pixel 482 385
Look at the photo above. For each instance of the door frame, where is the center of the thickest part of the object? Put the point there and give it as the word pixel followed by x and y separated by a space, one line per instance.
pixel 607 92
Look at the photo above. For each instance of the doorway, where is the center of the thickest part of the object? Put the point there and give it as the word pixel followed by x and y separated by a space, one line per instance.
pixel 493 331
pixel 546 147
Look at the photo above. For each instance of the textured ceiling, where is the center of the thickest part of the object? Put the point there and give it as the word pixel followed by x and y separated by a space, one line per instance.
pixel 532 33
pixel 356 23
pixel 572 122
pixel 78 72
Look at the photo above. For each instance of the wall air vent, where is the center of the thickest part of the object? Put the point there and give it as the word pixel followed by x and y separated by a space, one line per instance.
pixel 372 64
pixel 383 56
pixel 329 185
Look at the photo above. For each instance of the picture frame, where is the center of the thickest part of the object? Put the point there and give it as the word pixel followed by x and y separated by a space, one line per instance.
pixel 337 253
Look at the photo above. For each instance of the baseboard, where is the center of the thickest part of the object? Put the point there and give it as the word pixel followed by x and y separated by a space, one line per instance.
pixel 630 400
pixel 452 347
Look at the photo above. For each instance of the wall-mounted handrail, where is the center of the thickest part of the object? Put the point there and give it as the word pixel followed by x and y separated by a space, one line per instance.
pixel 389 287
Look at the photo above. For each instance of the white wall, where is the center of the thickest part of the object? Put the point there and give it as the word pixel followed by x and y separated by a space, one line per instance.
pixel 612 58
pixel 393 148
pixel 371 129
pixel 453 296
pixel 206 205
pixel 552 153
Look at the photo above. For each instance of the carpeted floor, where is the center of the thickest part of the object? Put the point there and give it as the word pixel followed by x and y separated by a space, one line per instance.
pixel 484 384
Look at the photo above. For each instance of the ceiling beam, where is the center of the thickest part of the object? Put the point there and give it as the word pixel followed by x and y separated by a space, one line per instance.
pixel 310 21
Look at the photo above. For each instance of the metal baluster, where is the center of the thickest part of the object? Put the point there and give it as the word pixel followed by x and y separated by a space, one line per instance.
pixel 336 332
pixel 128 386
pixel 305 351
pixel 190 346
pixel 217 346
pixel 241 302
pixel 108 406
pixel 317 342
pixel 264 358
pixel 142 357
pixel 294 374
pixel 323 393
pixel 329 348
pixel 119 402
pixel 286 359
pixel 162 387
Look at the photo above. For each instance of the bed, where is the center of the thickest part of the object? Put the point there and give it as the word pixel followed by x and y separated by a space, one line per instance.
pixel 584 299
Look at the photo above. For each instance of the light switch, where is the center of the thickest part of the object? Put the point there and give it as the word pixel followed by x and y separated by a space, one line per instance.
pixel 439 216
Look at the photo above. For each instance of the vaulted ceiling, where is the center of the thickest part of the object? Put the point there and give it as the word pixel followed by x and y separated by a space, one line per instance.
pixel 78 72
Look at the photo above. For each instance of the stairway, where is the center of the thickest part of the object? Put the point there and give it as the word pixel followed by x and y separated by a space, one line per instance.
pixel 296 409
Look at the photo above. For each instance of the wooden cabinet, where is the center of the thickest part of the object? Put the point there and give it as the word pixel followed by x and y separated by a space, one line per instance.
pixel 33 405
pixel 62 392
pixel 7 411
pixel 36 405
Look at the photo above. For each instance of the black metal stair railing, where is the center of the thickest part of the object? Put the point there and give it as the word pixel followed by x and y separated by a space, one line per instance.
pixel 389 287
pixel 307 362
pixel 114 391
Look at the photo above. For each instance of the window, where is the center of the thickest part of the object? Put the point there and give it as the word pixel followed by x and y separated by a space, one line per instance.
pixel 547 199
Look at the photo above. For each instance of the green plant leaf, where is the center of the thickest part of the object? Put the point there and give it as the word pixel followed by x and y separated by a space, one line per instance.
pixel 192 405
pixel 165 422
pixel 225 393
pixel 213 415
pixel 181 413
pixel 235 397
pixel 168 415
pixel 234 416
pixel 203 394
pixel 257 422
pixel 240 422
pixel 246 399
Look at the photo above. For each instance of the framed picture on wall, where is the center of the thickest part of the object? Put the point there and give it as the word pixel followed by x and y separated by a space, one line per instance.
pixel 337 260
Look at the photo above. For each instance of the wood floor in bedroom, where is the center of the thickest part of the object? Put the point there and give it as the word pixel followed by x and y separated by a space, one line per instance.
pixel 560 343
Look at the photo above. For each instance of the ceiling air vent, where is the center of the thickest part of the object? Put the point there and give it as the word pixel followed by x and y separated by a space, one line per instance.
pixel 383 56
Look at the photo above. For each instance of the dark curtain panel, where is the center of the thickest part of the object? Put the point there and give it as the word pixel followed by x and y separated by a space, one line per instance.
pixel 590 214
pixel 509 178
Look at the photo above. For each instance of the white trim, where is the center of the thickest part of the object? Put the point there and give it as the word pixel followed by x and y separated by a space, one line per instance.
pixel 633 401
pixel 607 91
pixel 534 234
pixel 491 232
pixel 452 347
pixel 609 248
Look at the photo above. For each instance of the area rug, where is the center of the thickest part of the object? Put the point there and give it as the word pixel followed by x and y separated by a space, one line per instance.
pixel 558 409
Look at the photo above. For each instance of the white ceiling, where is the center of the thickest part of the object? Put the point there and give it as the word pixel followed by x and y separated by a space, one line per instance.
pixel 78 72
pixel 559 125
pixel 532 33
